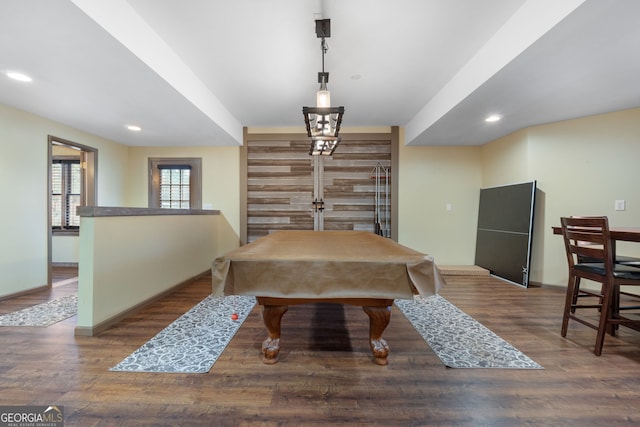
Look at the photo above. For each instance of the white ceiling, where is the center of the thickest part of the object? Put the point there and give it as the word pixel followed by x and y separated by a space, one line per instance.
pixel 194 72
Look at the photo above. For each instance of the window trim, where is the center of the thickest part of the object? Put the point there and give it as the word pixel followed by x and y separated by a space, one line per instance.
pixel 89 172
pixel 195 178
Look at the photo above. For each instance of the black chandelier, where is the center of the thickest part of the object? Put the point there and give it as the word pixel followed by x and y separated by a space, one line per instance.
pixel 323 121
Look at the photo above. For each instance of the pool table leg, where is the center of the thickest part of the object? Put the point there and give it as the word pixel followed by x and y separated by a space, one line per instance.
pixel 378 320
pixel 272 315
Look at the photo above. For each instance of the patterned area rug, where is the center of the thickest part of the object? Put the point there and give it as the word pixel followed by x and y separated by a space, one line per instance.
pixel 44 314
pixel 458 339
pixel 192 343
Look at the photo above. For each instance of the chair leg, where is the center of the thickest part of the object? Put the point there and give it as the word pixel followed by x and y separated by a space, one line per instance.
pixel 605 313
pixel 615 309
pixel 570 299
pixel 576 292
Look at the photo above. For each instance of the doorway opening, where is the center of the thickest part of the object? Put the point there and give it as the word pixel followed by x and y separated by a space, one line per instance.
pixel 71 182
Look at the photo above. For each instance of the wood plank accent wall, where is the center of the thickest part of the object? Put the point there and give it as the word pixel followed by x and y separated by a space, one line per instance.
pixel 279 184
pixel 349 184
pixel 280 177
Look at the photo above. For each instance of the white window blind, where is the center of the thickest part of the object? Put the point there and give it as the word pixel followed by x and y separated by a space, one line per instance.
pixel 66 185
pixel 175 188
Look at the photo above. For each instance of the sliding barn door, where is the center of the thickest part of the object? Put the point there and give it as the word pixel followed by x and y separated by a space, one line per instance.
pixel 287 189
pixel 350 185
pixel 279 185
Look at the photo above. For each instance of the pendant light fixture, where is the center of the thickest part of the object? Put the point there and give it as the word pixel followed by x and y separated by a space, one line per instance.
pixel 323 121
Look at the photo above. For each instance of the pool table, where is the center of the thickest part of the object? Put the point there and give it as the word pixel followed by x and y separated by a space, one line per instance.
pixel 348 267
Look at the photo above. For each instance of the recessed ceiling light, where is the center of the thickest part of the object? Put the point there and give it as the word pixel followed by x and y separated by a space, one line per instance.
pixel 18 76
pixel 493 118
pixel 134 128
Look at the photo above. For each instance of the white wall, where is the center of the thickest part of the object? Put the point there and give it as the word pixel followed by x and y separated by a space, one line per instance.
pixel 126 260
pixel 506 160
pixel 121 178
pixel 582 167
pixel 65 249
pixel 220 177
pixel 430 178
pixel 24 192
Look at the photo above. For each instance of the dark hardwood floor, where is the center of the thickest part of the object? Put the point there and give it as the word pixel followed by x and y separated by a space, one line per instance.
pixel 325 374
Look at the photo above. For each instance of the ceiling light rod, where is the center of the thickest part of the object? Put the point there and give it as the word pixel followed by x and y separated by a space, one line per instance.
pixel 323 121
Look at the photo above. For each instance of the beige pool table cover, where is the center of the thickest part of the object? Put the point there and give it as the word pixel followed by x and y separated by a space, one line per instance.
pixel 325 264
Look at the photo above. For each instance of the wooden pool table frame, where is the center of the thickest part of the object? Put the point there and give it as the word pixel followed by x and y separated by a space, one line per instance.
pixel 378 310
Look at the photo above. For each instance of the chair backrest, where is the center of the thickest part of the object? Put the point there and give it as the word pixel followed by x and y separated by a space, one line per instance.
pixel 587 237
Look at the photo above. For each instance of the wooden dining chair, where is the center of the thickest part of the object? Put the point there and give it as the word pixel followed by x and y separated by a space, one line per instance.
pixel 618 259
pixel 589 238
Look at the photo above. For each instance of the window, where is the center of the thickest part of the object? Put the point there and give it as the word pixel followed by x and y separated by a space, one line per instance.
pixel 175 183
pixel 66 182
pixel 72 183
pixel 174 187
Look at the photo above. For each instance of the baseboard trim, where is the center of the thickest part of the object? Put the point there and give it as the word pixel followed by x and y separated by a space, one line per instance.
pixel 463 270
pixel 26 292
pixel 64 264
pixel 88 331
